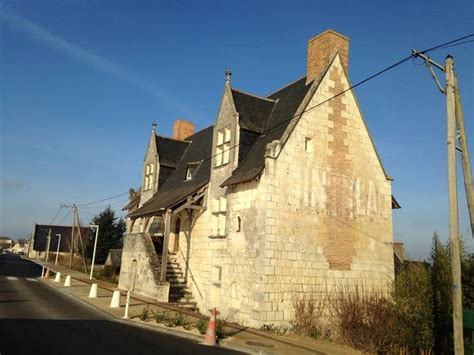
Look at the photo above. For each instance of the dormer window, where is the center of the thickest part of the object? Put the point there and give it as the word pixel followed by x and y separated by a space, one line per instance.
pixel 149 170
pixel 223 146
pixel 192 170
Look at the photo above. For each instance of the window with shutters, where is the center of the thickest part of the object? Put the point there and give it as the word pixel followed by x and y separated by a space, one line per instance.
pixel 149 172
pixel 223 146
pixel 219 214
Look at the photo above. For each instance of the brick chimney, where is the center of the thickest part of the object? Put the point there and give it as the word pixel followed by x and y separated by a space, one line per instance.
pixel 182 129
pixel 320 49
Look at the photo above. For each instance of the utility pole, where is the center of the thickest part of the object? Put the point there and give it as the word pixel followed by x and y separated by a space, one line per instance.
pixel 71 245
pixel 466 162
pixel 79 234
pixel 454 116
pixel 453 210
pixel 57 250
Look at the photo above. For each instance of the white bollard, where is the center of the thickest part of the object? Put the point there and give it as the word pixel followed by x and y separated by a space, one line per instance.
pixel 127 303
pixel 57 278
pixel 67 282
pixel 93 291
pixel 115 303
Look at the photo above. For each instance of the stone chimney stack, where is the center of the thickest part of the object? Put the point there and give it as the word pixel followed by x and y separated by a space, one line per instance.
pixel 182 129
pixel 320 49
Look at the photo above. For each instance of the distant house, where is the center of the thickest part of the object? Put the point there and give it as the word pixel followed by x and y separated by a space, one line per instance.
pixel 114 260
pixel 41 232
pixel 6 243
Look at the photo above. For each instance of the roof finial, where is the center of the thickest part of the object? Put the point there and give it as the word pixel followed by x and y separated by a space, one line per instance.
pixel 228 74
pixel 153 126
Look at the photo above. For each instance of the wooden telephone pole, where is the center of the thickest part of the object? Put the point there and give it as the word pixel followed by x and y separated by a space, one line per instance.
pixel 75 234
pixel 454 118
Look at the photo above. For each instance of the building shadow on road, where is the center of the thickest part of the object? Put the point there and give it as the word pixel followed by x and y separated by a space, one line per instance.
pixel 92 336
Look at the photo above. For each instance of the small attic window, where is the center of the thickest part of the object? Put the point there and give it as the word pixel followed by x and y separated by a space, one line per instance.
pixel 192 170
pixel 308 144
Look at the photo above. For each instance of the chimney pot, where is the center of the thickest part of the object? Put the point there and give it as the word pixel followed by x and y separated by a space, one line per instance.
pixel 320 49
pixel 182 129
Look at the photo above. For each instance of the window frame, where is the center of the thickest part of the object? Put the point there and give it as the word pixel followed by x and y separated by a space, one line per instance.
pixel 223 138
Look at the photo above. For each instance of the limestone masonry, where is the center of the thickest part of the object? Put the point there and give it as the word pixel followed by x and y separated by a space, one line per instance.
pixel 294 201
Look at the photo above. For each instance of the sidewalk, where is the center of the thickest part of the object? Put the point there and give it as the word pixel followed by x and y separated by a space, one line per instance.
pixel 237 337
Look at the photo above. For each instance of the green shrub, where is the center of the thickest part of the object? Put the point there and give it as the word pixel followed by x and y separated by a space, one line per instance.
pixel 145 314
pixel 220 329
pixel 272 328
pixel 201 326
pixel 181 321
pixel 413 300
pixel 161 317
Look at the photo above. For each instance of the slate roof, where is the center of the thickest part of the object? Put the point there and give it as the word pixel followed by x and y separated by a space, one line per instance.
pixel 287 100
pixel 115 256
pixel 253 111
pixel 177 188
pixel 170 150
pixel 41 232
pixel 133 202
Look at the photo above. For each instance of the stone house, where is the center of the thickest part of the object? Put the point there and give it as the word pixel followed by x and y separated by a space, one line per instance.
pixel 285 195
pixel 60 236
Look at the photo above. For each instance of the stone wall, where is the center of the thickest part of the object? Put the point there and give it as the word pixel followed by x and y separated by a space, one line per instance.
pixel 318 219
pixel 328 206
pixel 138 247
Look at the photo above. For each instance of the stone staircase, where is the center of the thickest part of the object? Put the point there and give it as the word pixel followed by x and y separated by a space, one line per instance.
pixel 180 295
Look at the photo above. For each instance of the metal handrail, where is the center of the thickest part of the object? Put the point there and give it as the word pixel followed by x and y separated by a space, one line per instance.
pixel 188 268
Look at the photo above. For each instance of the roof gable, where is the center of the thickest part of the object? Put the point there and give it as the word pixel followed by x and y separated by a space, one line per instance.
pixel 177 188
pixel 253 111
pixel 287 101
pixel 170 150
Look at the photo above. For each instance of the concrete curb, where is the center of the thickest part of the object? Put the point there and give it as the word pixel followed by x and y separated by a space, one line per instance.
pixel 139 324
pixel 95 309
pixel 177 332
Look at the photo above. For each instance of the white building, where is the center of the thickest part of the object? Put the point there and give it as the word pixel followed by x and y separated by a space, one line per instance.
pixel 284 195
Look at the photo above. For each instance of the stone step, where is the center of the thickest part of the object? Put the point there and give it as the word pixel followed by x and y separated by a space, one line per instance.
pixel 180 294
pixel 174 275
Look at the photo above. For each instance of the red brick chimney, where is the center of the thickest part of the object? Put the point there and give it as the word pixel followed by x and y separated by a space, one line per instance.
pixel 320 49
pixel 182 129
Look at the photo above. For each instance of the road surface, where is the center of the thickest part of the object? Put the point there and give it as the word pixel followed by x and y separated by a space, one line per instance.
pixel 38 319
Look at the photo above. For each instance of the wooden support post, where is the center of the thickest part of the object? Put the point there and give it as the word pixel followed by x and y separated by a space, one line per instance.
pixel 453 210
pixel 466 162
pixel 164 255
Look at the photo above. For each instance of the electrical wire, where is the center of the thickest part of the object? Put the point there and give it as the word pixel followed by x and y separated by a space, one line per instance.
pixel 105 199
pixel 87 212
pixel 67 214
pixel 454 45
pixel 56 215
pixel 104 206
pixel 439 46
pixel 371 77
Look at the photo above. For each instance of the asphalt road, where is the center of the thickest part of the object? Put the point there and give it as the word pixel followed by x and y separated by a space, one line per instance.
pixel 38 319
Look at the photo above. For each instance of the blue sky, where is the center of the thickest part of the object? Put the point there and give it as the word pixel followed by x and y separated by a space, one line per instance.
pixel 81 83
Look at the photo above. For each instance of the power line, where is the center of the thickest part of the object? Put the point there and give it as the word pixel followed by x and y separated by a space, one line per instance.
pixel 87 212
pixel 104 206
pixel 105 199
pixel 439 46
pixel 67 214
pixel 56 215
pixel 456 44
pixel 373 76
